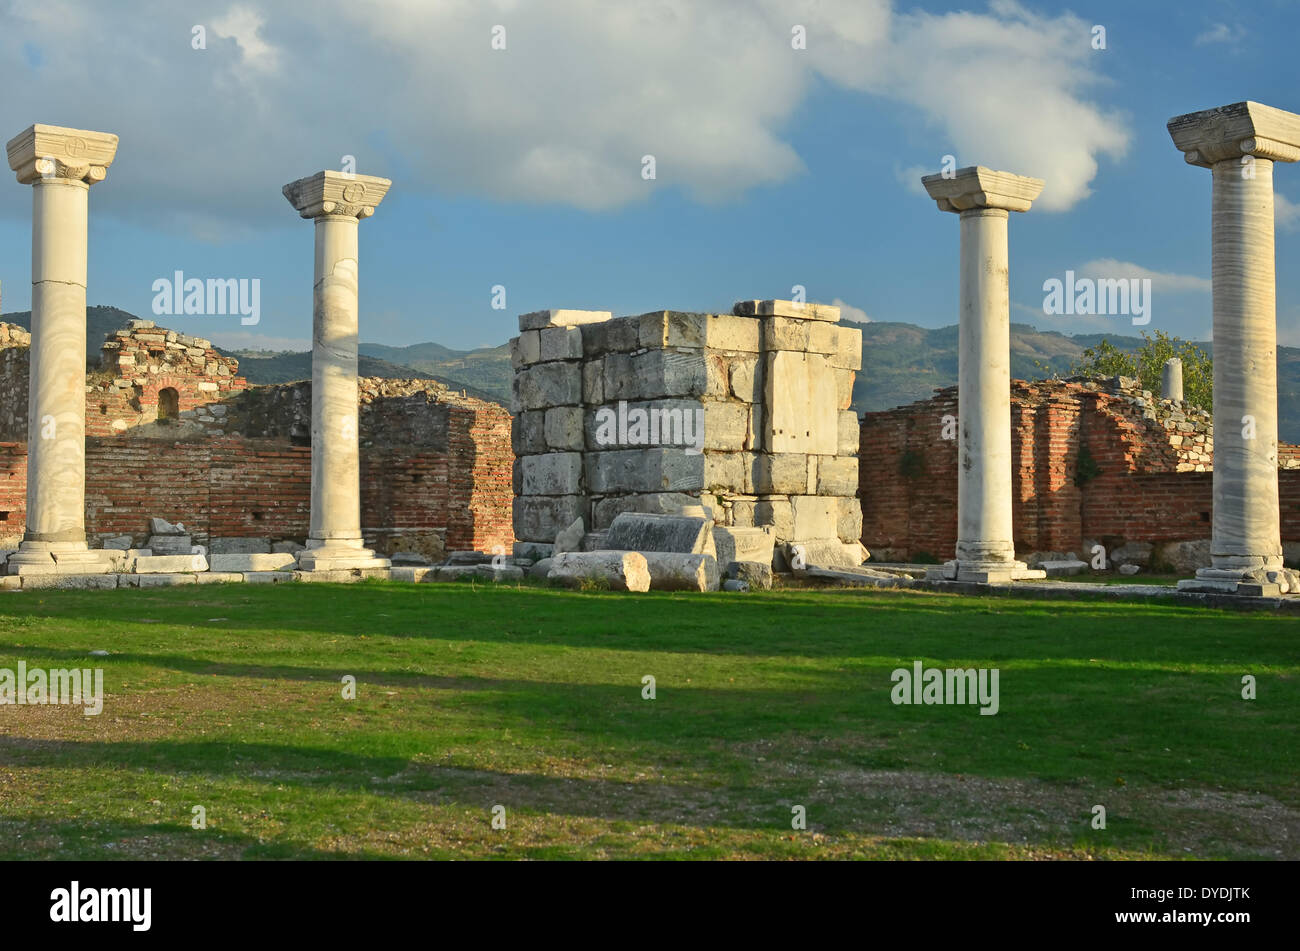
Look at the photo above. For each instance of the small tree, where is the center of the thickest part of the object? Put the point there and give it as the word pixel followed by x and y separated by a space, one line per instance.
pixel 1148 365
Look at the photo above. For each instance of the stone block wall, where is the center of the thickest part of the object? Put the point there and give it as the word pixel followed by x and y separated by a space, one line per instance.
pixel 1099 460
pixel 435 465
pixel 746 413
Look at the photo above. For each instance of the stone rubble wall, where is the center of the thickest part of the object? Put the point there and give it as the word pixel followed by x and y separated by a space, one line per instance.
pixel 1145 476
pixel 773 391
pixel 435 465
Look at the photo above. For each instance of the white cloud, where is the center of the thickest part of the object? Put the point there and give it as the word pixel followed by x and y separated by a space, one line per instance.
pixel 1221 33
pixel 849 312
pixel 564 114
pixel 1160 280
pixel 1286 213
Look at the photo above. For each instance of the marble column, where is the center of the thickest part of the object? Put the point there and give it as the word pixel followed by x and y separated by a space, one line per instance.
pixel 1240 143
pixel 337 202
pixel 984 198
pixel 60 165
pixel 1171 381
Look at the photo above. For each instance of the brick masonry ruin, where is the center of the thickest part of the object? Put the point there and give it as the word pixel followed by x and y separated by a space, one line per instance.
pixel 173 431
pixel 745 413
pixel 1092 462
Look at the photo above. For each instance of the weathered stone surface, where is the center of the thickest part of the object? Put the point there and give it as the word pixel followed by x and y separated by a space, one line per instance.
pixel 849 521
pixel 115 542
pixel 212 577
pixel 563 428
pixel 408 559
pixel 633 531
pixel 745 380
pixel 55 580
pixel 547 384
pixel 561 343
pixel 410 573
pixel 813 516
pixel 726 426
pixel 644 471
pixel 167 564
pixel 850 428
pixel 595 541
pixel 611 336
pixel 160 526
pixel 756 574
pixel 252 561
pixel 734 584
pixel 617 570
pixel 604 511
pixel 171 544
pixel 743 545
pixel 561 318
pixel 528 432
pixel 1129 569
pixel 727 471
pixel 290 546
pixel 271 577
pixel 786 308
pixel 777 512
pixel 570 539
pixel 540 569
pixel 823 553
pixel 862 577
pixel 552 473
pixel 675 571
pixel 783 473
pixel 1062 568
pixel 1183 557
pixel 239 546
pixel 848 351
pixel 1133 553
pixel 645 424
pixel 537 551
pixel 654 374
pixel 801 402
pixel 499 573
pixel 541 518
pixel 525 349
pixel 837 475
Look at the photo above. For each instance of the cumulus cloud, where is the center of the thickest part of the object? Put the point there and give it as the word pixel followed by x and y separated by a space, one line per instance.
pixel 1112 269
pixel 582 92
pixel 849 312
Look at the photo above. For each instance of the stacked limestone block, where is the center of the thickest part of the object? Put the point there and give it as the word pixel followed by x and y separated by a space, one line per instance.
pixel 745 413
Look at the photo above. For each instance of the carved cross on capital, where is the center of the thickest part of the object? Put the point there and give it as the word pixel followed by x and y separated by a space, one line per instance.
pixel 44 152
pixel 337 193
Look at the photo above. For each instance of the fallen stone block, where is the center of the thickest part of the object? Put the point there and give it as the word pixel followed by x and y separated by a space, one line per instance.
pixel 570 539
pixel 291 547
pixel 1063 569
pixel 638 531
pixel 160 526
pixel 166 564
pixel 754 573
pixel 824 553
pixel 499 572
pixel 743 544
pixel 674 571
pixel 861 577
pixel 541 569
pixel 615 570
pixel 410 573
pixel 735 584
pixel 454 572
pixel 171 544
pixel 408 558
pixel 1129 569
pixel 117 542
pixel 246 545
pixel 535 550
pixel 1133 553
pixel 595 541
pixel 268 577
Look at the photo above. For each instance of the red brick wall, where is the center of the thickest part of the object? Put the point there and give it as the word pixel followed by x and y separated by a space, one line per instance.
pixel 908 476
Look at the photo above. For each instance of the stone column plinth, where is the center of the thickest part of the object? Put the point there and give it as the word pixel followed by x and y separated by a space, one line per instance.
pixel 1240 143
pixel 60 165
pixel 337 202
pixel 984 198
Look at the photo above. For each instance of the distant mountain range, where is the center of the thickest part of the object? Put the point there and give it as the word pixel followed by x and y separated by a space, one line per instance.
pixel 901 363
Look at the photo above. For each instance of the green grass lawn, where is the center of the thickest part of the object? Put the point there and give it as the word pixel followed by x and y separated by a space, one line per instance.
pixel 474 696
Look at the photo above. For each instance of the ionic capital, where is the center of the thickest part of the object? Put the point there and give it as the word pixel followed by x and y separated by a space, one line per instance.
pixel 45 152
pixel 980 187
pixel 336 193
pixel 1230 132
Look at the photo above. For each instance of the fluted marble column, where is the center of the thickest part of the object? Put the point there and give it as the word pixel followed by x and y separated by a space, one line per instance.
pixel 984 198
pixel 1240 143
pixel 337 202
pixel 60 164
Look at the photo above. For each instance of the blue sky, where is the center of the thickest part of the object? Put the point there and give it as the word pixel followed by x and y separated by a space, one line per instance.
pixel 522 167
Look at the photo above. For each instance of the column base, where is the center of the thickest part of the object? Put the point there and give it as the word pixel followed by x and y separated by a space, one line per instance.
pixel 1247 582
pixel 985 572
pixel 59 558
pixel 338 557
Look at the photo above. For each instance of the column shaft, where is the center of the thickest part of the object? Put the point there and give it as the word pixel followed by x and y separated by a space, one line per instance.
pixel 984 535
pixel 1246 532
pixel 335 460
